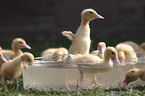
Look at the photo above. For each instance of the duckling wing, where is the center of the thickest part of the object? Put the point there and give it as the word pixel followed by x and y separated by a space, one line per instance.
pixel 68 34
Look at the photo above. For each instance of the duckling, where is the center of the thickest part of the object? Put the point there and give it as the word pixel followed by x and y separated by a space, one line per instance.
pixel 142 45
pixel 126 51
pixel 96 63
pixel 13 68
pixel 70 58
pixel 2 59
pixel 139 50
pixel 54 54
pixel 133 75
pixel 17 45
pixel 100 50
pixel 81 40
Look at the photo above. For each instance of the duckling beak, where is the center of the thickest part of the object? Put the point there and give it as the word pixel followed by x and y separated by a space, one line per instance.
pixel 3 59
pixel 102 50
pixel 117 60
pixel 99 16
pixel 27 46
pixel 124 83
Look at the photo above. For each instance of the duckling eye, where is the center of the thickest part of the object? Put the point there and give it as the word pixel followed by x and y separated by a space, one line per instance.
pixel 132 71
pixel 112 53
pixel 20 42
pixel 29 59
pixel 128 77
pixel 91 12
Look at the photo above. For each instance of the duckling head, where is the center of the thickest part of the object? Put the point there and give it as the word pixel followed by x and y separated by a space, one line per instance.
pixel 90 14
pixel 28 57
pixel 101 47
pixel 111 53
pixel 57 55
pixel 20 43
pixel 2 57
pixel 131 75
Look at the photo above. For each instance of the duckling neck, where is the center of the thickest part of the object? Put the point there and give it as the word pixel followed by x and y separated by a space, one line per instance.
pixel 84 22
pixel 142 77
pixel 17 51
pixel 107 59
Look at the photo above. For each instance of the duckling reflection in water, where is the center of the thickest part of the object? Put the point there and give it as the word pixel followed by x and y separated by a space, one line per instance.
pixel 95 63
pixel 133 75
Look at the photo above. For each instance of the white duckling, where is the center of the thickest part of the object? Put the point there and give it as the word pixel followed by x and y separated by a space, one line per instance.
pixel 17 45
pixel 13 68
pixel 126 51
pixel 96 63
pixel 81 40
pixel 133 75
pixel 54 54
pixel 100 50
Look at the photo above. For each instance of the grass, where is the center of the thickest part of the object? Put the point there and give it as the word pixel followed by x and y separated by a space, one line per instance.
pixel 12 89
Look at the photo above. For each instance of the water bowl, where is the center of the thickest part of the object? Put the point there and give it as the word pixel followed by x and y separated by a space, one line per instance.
pixel 57 75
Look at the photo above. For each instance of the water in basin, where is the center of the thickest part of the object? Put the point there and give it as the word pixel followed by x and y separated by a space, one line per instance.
pixel 56 75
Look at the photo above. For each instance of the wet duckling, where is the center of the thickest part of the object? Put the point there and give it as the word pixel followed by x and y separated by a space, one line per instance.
pixel 54 54
pixel 133 75
pixel 17 45
pixel 96 62
pixel 13 68
pixel 81 40
pixel 126 51
pixel 100 50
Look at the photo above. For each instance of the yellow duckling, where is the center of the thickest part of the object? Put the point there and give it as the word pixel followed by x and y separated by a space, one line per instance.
pixel 100 50
pixel 70 58
pixel 17 45
pixel 54 54
pixel 81 40
pixel 139 50
pixel 133 75
pixel 2 59
pixel 126 51
pixel 96 62
pixel 142 45
pixel 13 68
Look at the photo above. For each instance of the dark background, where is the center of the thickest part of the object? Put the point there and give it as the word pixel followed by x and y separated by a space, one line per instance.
pixel 40 22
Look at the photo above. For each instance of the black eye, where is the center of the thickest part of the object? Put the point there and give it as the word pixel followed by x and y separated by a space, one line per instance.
pixel 132 71
pixel 112 53
pixel 128 77
pixel 20 42
pixel 29 59
pixel 91 12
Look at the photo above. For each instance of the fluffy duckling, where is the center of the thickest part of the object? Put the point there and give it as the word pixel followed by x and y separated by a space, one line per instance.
pixel 96 62
pixel 133 75
pixel 54 54
pixel 13 68
pixel 17 45
pixel 81 40
pixel 70 58
pixel 2 59
pixel 142 45
pixel 100 50
pixel 139 51
pixel 126 51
